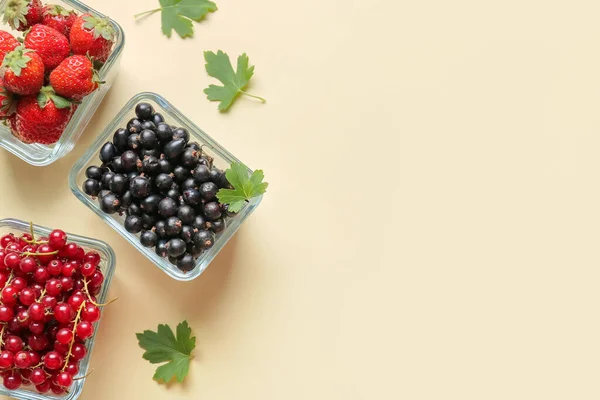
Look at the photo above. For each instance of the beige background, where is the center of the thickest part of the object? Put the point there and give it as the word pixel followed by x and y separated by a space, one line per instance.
pixel 431 229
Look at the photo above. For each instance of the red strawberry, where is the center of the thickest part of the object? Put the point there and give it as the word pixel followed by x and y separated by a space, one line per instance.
pixel 93 36
pixel 6 101
pixel 23 71
pixel 42 119
pixel 75 78
pixel 21 14
pixel 59 18
pixel 7 43
pixel 49 43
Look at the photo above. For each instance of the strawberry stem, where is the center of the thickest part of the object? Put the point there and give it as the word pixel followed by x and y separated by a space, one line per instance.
pixel 147 12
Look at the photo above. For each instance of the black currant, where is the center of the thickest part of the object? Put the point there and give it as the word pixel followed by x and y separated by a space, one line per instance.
pixel 139 186
pixel 129 160
pixel 189 158
pixel 192 197
pixel 133 141
pixel 150 165
pixel 134 209
pixel 148 125
pixel 194 145
pixel 189 183
pixel 161 229
pixel 194 249
pixel 186 233
pixel 201 173
pixel 110 203
pixel 181 173
pixel 108 152
pixel 186 214
pixel 120 139
pixel 161 247
pixel 150 203
pixel 176 247
pixel 94 172
pixel 91 187
pixel 157 118
pixel 173 194
pixel 217 226
pixel 134 125
pixel 116 164
pixel 133 224
pixel 174 148
pixel 208 190
pixel 165 166
pixel 144 110
pixel 181 133
pixel 148 139
pixel 186 262
pixel 164 132
pixel 199 222
pixel 163 181
pixel 212 211
pixel 148 221
pixel 167 207
pixel 118 184
pixel 151 152
pixel 148 239
pixel 126 200
pixel 173 226
pixel 204 239
pixel 106 178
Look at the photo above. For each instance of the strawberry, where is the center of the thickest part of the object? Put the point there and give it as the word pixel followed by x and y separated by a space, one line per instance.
pixel 75 78
pixel 93 36
pixel 49 43
pixel 59 18
pixel 6 101
pixel 41 119
pixel 22 14
pixel 7 43
pixel 23 71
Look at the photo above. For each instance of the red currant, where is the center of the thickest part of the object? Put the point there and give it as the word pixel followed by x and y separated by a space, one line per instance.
pixel 43 387
pixel 78 351
pixel 46 258
pixel 92 257
pixel 87 269
pixel 70 268
pixel 13 344
pixel 64 313
pixel 23 318
pixel 70 251
pixel 53 287
pixel 38 376
pixel 27 296
pixel 84 330
pixel 14 326
pixel 6 313
pixel 90 313
pixel 41 275
pixel 35 357
pixel 19 283
pixel 12 380
pixel 13 247
pixel 56 389
pixel 12 260
pixel 72 368
pixel 67 283
pixel 36 327
pixel 78 284
pixel 76 300
pixel 37 312
pixel 49 302
pixel 38 342
pixel 9 295
pixel 28 264
pixel 61 348
pixel 97 279
pixel 23 359
pixel 6 239
pixel 3 278
pixel 53 360
pixel 64 336
pixel 64 379
pixel 6 359
pixel 54 267
pixel 57 239
pixel 38 288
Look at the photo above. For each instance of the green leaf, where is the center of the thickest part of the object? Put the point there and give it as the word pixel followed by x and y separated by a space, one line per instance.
pixel 162 346
pixel 244 187
pixel 178 15
pixel 219 66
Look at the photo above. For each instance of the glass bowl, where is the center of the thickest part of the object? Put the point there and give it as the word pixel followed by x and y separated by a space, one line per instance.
pixel 39 154
pixel 222 159
pixel 107 265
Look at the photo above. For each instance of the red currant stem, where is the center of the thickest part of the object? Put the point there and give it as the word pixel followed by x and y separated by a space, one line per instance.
pixel 83 377
pixel 41 295
pixel 27 253
pixel 2 336
pixel 85 287
pixel 31 231
pixel 35 241
pixel 73 340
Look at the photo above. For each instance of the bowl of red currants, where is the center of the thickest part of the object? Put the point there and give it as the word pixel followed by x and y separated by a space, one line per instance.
pixel 53 286
pixel 154 176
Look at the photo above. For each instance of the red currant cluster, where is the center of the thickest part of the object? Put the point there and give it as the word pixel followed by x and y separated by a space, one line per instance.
pixel 47 308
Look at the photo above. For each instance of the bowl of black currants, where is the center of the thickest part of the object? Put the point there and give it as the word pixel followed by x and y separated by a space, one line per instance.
pixel 153 176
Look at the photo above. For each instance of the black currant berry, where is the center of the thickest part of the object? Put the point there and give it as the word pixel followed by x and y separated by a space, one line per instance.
pixel 150 165
pixel 212 211
pixel 161 247
pixel 165 166
pixel 91 187
pixel 94 172
pixel 199 222
pixel 181 133
pixel 161 229
pixel 120 139
pixel 208 190
pixel 167 207
pixel 118 184
pixel 187 232
pixel 129 160
pixel 110 203
pixel 189 158
pixel 151 152
pixel 149 204
pixel 192 197
pixel 173 226
pixel 204 239
pixel 217 226
pixel 140 186
pixel 148 221
pixel 173 194
pixel 157 118
pixel 108 152
pixel 134 209
pixel 163 181
pixel 133 141
pixel 106 178
pixel 186 214
pixel 133 224
pixel 189 183
pixel 174 148
pixel 201 173
pixel 126 200
pixel 134 125
pixel 148 239
pixel 181 173
pixel 148 139
pixel 116 165
pixel 148 125
pixel 186 263
pixel 176 247
pixel 194 249
pixel 194 145
pixel 144 111
pixel 164 132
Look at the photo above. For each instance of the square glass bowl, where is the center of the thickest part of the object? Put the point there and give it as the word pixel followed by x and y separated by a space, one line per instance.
pixel 222 159
pixel 107 265
pixel 39 154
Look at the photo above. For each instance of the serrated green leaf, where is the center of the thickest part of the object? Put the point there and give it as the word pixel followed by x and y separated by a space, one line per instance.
pixel 178 15
pixel 219 66
pixel 244 187
pixel 162 346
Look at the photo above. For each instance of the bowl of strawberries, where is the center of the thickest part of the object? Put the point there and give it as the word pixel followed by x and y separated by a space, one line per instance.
pixel 57 62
